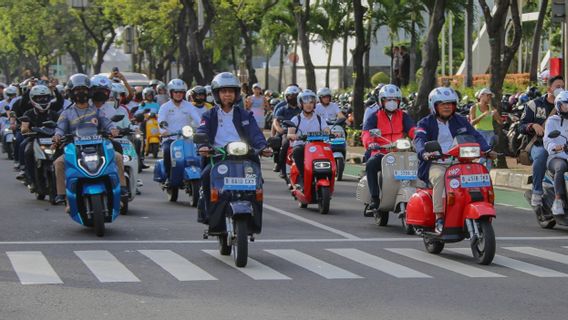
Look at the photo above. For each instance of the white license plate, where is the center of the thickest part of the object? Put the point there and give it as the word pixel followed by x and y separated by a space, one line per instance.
pixel 475 180
pixel 405 174
pixel 45 141
pixel 239 183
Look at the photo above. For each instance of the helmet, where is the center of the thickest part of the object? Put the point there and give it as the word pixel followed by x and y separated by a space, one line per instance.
pixel 154 82
pixel 177 85
pixel 389 91
pixel 60 88
pixel 41 97
pixel 160 86
pixel 274 102
pixel 377 90
pixel 561 99
pixel 10 92
pixel 148 91
pixel 307 96
pixel 257 85
pixel 208 89
pixel 291 90
pixel 118 89
pixel 101 82
pixel 324 92
pixel 483 91
pixel 78 80
pixel 440 95
pixel 524 98
pixel 3 85
pixel 225 80
pixel 196 91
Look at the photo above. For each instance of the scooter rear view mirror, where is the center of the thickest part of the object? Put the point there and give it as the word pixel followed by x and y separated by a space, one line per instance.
pixel 554 134
pixel 200 138
pixel 432 146
pixel 289 123
pixel 163 124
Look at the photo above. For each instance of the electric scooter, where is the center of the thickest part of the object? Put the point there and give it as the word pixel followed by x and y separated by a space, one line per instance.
pixel 338 145
pixel 130 162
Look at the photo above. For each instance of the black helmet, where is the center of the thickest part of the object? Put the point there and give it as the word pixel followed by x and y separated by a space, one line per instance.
pixel 78 80
pixel 196 91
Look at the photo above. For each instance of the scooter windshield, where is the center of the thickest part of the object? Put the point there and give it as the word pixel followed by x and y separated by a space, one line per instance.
pixel 465 138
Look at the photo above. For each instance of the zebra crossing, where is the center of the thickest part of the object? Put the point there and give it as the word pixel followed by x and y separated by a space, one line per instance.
pixel 36 268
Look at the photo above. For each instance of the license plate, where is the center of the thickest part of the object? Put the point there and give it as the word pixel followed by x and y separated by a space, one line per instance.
pixel 45 141
pixel 338 141
pixel 239 183
pixel 405 174
pixel 88 140
pixel 475 180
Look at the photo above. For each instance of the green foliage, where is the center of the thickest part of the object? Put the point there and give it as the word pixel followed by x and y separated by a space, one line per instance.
pixel 379 77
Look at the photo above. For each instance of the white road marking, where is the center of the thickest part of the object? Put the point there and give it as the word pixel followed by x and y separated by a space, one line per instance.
pixel 311 222
pixel 312 264
pixel 33 268
pixel 445 263
pixel 378 263
pixel 518 265
pixel 254 269
pixel 540 253
pixel 177 266
pixel 106 267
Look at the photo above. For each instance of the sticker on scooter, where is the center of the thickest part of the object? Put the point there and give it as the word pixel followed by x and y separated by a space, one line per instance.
pixel 454 172
pixel 475 180
pixel 390 160
pixel 454 184
pixel 222 169
pixel 405 174
pixel 239 183
pixel 312 149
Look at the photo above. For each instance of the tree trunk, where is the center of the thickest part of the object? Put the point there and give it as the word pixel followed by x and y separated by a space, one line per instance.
pixel 249 43
pixel 536 41
pixel 392 60
pixel 76 57
pixel 234 58
pixel 267 72
pixel 368 36
pixel 328 66
pixel 468 81
pixel 302 17
pixel 344 73
pixel 431 55
pixel 99 59
pixel 295 63
pixel 280 67
pixel 184 58
pixel 197 37
pixel 412 53
pixel 358 106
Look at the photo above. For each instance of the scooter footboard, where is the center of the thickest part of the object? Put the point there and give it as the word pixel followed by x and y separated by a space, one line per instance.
pixel 478 210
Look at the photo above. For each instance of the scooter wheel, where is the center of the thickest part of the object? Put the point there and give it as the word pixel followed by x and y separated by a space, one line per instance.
pixel 381 218
pixel 172 194
pixel 124 207
pixel 325 198
pixel 302 205
pixel 406 228
pixel 433 246
pixel 483 248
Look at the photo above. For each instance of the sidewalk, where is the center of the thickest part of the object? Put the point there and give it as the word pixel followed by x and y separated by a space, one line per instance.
pixel 515 177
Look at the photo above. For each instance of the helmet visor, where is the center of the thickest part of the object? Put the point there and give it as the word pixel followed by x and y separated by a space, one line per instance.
pixel 307 99
pixel 42 100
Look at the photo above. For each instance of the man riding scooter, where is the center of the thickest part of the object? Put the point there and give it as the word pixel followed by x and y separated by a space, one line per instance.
pixel 442 125
pixel 393 124
pixel 286 112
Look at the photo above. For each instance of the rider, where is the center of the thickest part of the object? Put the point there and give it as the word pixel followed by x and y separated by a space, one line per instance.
pixel 9 94
pixel 197 96
pixel 148 105
pixel 371 110
pixel 162 94
pixel 177 113
pixel 442 125
pixel 557 156
pixel 227 122
pixel 41 98
pixel 81 112
pixel 286 112
pixel 327 109
pixel 305 123
pixel 393 124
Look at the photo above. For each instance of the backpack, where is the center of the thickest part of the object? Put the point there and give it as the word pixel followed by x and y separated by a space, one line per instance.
pixel 300 120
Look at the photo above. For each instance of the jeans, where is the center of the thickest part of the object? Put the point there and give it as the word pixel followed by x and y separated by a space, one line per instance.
pixel 488 136
pixel 558 167
pixel 167 156
pixel 17 142
pixel 373 168
pixel 283 154
pixel 539 156
pixel 22 150
pixel 298 156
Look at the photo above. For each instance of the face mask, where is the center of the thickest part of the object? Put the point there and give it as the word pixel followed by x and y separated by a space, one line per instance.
pixel 391 105
pixel 209 99
pixel 100 97
pixel 557 91
pixel 198 101
pixel 81 97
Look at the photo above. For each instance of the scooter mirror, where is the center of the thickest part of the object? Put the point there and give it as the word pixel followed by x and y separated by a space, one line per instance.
pixel 375 132
pixel 24 119
pixel 200 138
pixel 49 124
pixel 432 146
pixel 554 134
pixel 117 118
pixel 289 123
pixel 163 124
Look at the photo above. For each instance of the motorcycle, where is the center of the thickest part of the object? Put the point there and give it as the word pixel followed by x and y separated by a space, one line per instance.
pixel 338 145
pixel 185 172
pixel 319 171
pixel 152 136
pixel 44 156
pixel 130 162
pixel 397 183
pixel 514 138
pixel 469 200
pixel 92 182
pixel 545 218
pixel 235 212
pixel 8 139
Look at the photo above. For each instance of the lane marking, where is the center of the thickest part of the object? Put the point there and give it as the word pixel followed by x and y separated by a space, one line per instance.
pixel 445 263
pixel 106 267
pixel 33 268
pixel 378 263
pixel 177 266
pixel 311 222
pixel 313 264
pixel 518 265
pixel 254 269
pixel 540 253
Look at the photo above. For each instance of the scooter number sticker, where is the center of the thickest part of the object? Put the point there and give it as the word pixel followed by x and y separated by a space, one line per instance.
pixel 405 174
pixel 239 183
pixel 45 141
pixel 475 180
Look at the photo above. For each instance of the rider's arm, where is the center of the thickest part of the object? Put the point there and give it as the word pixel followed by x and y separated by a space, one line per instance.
pixel 552 144
pixel 275 122
pixel 62 124
pixel 162 115
pixel 370 123
pixel 527 119
pixel 421 136
pixel 204 126
pixel 408 125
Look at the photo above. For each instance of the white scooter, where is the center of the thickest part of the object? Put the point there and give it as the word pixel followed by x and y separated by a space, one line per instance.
pixel 130 162
pixel 397 182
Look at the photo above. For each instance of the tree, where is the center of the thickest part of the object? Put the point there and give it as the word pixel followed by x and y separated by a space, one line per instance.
pixel 302 14
pixel 536 41
pixel 358 17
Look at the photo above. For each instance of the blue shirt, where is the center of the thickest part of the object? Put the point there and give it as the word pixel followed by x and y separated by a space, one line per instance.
pixel 148 107
pixel 287 113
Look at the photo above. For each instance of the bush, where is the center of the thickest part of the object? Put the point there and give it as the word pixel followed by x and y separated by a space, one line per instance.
pixel 379 77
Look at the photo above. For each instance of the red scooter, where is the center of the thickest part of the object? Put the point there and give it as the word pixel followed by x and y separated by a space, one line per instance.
pixel 319 172
pixel 469 198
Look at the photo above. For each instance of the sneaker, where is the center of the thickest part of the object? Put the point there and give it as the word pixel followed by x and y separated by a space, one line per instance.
pixel 17 166
pixel 558 207
pixel 536 200
pixel 375 203
pixel 439 226
pixel 59 199
pixel 276 167
pixel 124 193
pixel 145 166
pixel 21 176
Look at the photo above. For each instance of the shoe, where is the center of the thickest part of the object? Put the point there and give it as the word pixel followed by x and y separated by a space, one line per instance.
pixel 59 199
pixel 32 188
pixel 276 167
pixel 282 175
pixel 124 192
pixel 439 226
pixel 375 203
pixel 21 176
pixel 144 166
pixel 16 166
pixel 558 207
pixel 536 200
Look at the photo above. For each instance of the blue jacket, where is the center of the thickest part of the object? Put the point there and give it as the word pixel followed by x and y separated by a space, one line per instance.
pixel 427 130
pixel 244 122
pixel 536 111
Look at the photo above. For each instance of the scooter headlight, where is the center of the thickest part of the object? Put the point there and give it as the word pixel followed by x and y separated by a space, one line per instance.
pixel 320 166
pixel 237 149
pixel 125 158
pixel 92 163
pixel 187 132
pixel 469 152
pixel 338 132
pixel 403 144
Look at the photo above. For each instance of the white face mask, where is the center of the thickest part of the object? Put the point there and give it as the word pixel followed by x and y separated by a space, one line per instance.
pixel 391 105
pixel 557 91
pixel 209 99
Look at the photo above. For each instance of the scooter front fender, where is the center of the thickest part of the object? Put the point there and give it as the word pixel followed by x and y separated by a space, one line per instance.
pixel 92 189
pixel 322 183
pixel 477 210
pixel 241 208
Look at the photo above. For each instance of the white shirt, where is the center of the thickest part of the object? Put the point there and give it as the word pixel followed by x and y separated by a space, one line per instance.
pixel 107 110
pixel 327 113
pixel 445 138
pixel 307 125
pixel 178 117
pixel 226 131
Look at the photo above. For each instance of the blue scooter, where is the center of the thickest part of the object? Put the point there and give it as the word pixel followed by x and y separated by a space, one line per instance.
pixel 338 145
pixel 92 182
pixel 185 172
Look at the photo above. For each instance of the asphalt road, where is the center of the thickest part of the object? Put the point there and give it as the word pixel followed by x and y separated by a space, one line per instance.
pixel 154 263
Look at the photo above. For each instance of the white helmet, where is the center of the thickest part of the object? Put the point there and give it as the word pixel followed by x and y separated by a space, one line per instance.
pixel 148 91
pixel 102 82
pixel 10 92
pixel 324 92
pixel 118 89
pixel 177 85
pixel 307 96
pixel 441 95
pixel 389 91
pixel 41 97
pixel 561 98
pixel 291 90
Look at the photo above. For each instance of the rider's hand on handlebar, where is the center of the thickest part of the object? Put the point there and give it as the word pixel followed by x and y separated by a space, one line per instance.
pixel 56 139
pixel 373 145
pixel 430 155
pixel 114 132
pixel 292 136
pixel 327 131
pixel 492 155
pixel 538 130
pixel 204 151
pixel 267 152
pixel 558 148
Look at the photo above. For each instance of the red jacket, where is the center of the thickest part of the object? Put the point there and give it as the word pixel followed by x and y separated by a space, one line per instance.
pixel 398 126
